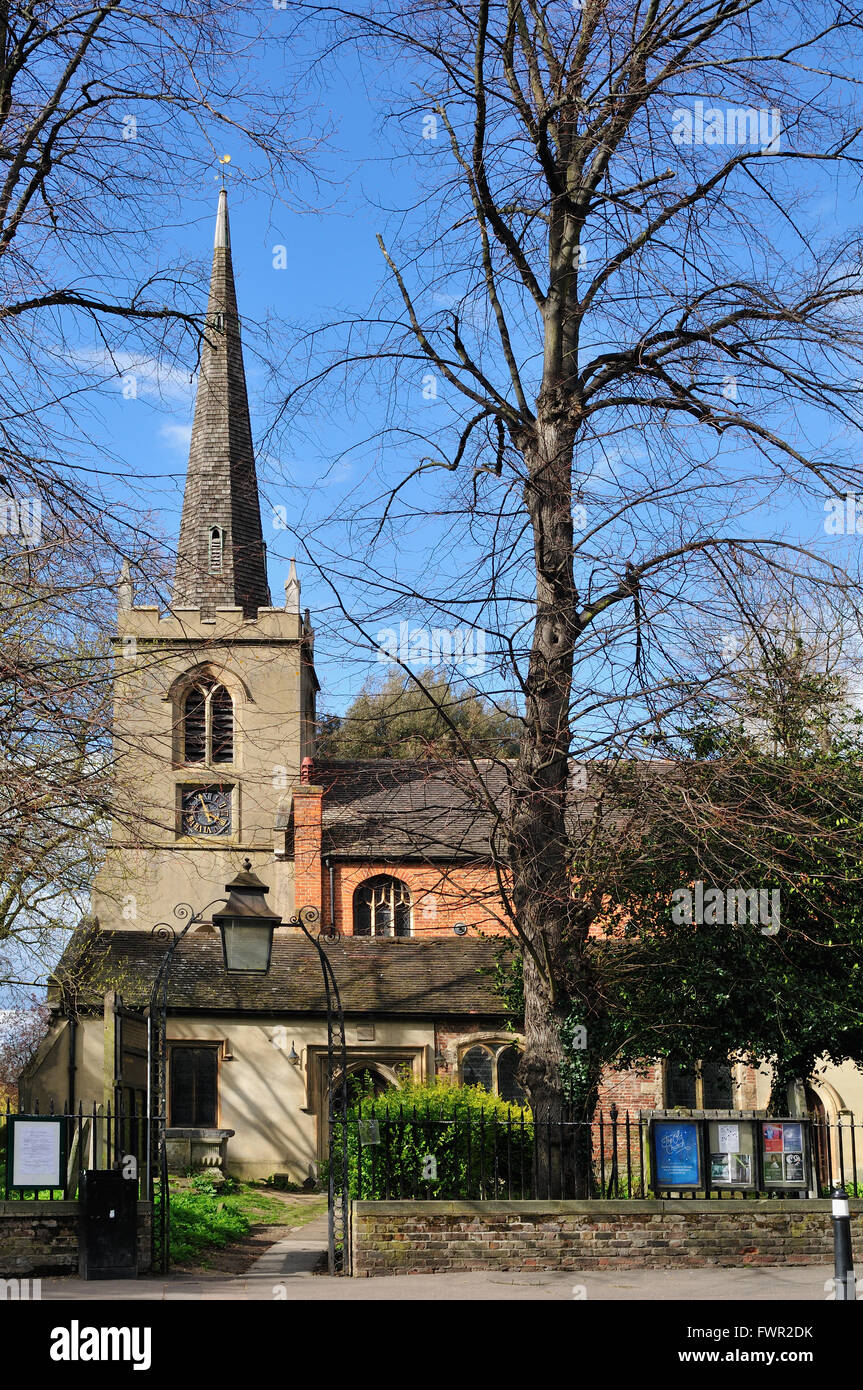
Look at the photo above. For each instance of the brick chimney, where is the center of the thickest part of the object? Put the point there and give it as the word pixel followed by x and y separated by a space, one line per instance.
pixel 308 828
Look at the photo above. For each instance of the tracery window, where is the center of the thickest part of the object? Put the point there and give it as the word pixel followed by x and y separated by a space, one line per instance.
pixel 208 724
pixel 382 907
pixel 493 1066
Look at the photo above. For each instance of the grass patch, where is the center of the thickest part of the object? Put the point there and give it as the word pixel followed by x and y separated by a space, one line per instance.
pixel 310 1211
pixel 204 1217
pixel 200 1223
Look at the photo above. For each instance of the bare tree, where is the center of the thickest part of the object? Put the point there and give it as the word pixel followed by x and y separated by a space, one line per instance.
pixel 55 755
pixel 640 336
pixel 113 120
pixel 21 1031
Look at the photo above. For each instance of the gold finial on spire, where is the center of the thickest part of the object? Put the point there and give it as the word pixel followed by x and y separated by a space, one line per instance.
pixel 224 160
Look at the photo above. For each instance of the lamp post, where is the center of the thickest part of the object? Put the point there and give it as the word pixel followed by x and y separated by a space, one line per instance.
pixel 246 925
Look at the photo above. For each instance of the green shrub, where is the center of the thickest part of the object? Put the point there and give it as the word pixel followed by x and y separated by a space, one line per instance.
pixel 853 1189
pixel 204 1182
pixel 392 1137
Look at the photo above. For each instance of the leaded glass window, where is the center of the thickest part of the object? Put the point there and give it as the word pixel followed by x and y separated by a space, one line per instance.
pixel 707 1085
pixel 382 907
pixel 194 1087
pixel 493 1066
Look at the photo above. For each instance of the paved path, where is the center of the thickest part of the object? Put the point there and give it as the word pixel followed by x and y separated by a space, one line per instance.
pixel 286 1272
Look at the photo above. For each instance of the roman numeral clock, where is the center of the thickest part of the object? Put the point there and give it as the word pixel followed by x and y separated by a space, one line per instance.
pixel 206 810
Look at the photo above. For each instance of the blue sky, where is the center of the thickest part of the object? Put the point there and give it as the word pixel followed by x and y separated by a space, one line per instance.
pixel 318 470
pixel 324 235
pixel 333 267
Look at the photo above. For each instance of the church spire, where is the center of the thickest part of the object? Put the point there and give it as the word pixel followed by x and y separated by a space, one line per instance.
pixel 221 557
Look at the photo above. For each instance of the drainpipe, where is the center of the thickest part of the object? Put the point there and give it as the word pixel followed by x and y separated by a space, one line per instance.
pixel 73 1035
pixel 331 872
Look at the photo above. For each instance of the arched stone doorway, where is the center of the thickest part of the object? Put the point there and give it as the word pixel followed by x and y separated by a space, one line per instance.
pixel 832 1149
pixel 371 1078
pixel 817 1112
pixel 385 1072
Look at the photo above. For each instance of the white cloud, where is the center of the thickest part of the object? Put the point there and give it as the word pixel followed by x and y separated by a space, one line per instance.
pixel 152 377
pixel 177 436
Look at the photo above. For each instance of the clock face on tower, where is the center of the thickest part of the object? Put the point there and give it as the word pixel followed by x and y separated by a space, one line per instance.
pixel 206 810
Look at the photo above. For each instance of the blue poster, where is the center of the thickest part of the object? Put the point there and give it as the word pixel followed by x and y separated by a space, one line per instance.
pixel 676 1149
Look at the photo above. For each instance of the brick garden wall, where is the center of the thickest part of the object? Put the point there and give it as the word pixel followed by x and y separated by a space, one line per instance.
pixel 631 1090
pixel 42 1238
pixel 440 1237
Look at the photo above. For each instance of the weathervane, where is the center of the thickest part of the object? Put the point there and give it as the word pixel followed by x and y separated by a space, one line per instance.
pixel 224 160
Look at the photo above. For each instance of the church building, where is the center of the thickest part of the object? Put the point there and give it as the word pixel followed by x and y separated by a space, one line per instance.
pixel 214 746
pixel 214 739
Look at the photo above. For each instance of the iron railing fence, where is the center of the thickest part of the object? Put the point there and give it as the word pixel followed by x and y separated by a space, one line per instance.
pixel 417 1152
pixel 421 1152
pixel 101 1136
pixel 837 1153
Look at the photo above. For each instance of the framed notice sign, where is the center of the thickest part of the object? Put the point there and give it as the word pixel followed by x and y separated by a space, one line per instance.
pixel 36 1155
pixel 731 1153
pixel 678 1161
pixel 783 1153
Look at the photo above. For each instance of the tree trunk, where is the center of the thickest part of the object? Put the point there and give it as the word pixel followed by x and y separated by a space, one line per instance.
pixel 551 929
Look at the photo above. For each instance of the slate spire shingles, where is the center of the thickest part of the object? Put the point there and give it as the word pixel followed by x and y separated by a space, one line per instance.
pixel 221 484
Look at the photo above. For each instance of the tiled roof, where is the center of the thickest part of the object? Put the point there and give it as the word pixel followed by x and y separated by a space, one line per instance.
pixel 375 975
pixel 410 808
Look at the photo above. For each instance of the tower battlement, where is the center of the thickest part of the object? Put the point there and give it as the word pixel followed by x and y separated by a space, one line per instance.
pixel 148 624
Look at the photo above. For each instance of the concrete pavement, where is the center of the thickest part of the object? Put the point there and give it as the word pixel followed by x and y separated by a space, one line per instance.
pixel 286 1272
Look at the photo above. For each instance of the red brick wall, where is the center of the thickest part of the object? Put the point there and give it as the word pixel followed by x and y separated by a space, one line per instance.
pixel 441 1237
pixel 630 1090
pixel 441 896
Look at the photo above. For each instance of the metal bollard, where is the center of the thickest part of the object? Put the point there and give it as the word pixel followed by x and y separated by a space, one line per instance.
pixel 843 1260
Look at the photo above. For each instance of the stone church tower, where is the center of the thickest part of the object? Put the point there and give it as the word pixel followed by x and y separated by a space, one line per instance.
pixel 215 699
